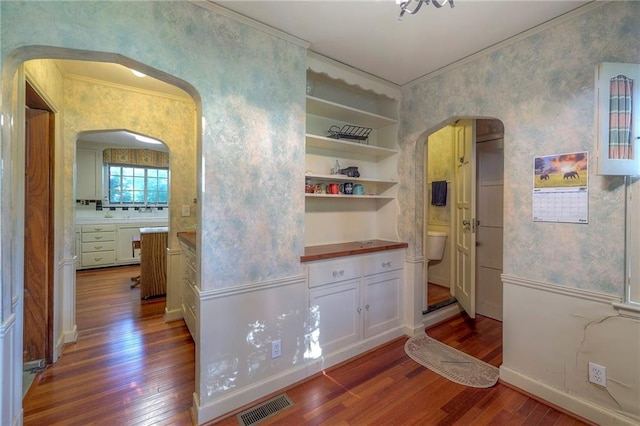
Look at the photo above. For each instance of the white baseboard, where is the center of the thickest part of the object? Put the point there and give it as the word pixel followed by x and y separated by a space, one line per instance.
pixel 71 336
pixel 172 315
pixel 567 401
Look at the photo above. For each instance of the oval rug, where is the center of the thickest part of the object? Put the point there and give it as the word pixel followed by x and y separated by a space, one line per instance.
pixel 451 363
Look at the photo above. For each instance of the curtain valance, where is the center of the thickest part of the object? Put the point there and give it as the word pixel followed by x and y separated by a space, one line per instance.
pixel 136 157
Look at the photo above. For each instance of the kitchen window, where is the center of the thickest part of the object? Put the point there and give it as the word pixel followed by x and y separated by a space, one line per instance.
pixel 138 186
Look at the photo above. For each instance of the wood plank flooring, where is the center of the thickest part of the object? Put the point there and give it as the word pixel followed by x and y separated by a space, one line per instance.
pixel 437 293
pixel 129 367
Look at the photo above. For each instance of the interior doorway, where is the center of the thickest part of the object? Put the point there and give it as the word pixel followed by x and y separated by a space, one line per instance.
pixel 468 156
pixel 38 233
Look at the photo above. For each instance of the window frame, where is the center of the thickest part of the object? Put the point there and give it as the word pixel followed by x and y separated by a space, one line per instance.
pixel 107 186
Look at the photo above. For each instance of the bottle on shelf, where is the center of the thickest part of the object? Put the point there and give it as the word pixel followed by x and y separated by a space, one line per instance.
pixel 336 169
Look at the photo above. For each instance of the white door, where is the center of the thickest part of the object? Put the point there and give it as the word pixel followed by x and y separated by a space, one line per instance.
pixel 490 184
pixel 465 216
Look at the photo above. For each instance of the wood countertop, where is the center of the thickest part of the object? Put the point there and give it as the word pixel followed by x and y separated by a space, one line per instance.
pixel 330 251
pixel 189 238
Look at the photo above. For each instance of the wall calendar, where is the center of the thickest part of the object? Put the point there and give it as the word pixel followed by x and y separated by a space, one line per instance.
pixel 560 188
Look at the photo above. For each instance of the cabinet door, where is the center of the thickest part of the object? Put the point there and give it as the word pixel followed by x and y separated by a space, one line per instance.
pixel 382 301
pixel 124 250
pixel 88 174
pixel 618 127
pixel 335 317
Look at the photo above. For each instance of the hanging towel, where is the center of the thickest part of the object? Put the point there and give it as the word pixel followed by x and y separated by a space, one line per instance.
pixel 439 193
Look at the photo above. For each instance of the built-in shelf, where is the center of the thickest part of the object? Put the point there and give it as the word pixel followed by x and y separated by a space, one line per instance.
pixel 345 178
pixel 324 142
pixel 328 109
pixel 349 197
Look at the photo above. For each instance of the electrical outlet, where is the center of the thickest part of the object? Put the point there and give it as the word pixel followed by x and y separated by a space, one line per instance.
pixel 186 210
pixel 597 374
pixel 276 348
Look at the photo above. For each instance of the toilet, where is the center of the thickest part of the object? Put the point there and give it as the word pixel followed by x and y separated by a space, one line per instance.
pixel 435 244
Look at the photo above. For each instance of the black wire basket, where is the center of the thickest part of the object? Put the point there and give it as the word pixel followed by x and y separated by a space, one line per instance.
pixel 356 133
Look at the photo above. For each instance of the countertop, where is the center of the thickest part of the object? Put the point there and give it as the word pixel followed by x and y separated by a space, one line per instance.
pixel 189 238
pixel 134 219
pixel 154 230
pixel 330 251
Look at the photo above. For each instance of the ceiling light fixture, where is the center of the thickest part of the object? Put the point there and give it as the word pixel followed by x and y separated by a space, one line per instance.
pixel 139 74
pixel 147 139
pixel 405 5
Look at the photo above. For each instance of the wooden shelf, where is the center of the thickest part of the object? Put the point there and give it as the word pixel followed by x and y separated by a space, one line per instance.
pixel 323 142
pixel 321 107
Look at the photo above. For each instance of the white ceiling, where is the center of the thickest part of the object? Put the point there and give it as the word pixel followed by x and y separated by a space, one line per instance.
pixel 367 34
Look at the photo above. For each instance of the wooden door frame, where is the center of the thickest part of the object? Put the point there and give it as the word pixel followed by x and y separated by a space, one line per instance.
pixel 35 101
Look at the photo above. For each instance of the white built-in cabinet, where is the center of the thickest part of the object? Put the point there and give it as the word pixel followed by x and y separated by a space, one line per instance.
pixel 353 299
pixel 190 297
pixel 88 174
pixel 339 96
pixel 610 100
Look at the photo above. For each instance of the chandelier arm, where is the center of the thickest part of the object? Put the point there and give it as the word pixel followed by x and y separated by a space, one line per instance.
pixel 437 4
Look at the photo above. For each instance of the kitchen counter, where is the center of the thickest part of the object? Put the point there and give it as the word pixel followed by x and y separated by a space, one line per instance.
pixel 134 219
pixel 330 251
pixel 189 238
pixel 153 229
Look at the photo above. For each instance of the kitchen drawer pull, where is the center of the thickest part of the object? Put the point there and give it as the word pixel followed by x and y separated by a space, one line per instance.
pixel 339 273
pixel 366 307
pixel 359 310
pixel 97 247
pixel 97 259
pixel 386 264
pixel 98 237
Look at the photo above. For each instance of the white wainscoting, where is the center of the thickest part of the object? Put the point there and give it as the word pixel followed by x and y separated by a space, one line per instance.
pixel 11 373
pixel 552 332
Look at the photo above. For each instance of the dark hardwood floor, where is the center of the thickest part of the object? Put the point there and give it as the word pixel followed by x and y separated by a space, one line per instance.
pixel 437 293
pixel 129 367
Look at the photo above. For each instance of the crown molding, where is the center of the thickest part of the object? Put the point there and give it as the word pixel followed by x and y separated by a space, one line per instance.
pixel 127 88
pixel 216 8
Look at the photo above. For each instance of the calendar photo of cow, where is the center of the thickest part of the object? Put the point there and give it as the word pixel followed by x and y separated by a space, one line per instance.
pixel 561 171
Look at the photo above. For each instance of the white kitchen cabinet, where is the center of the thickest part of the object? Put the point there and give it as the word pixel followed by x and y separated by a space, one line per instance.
pixel 88 174
pixel 354 298
pixel 338 96
pixel 617 90
pixel 190 299
pixel 125 234
pixel 97 246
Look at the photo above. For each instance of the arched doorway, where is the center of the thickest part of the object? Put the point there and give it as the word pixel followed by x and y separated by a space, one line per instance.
pixel 63 217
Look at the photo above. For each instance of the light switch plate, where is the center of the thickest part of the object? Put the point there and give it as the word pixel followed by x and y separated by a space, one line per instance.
pixel 186 210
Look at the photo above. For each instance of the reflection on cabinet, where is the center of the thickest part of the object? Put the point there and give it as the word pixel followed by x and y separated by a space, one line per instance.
pixel 88 174
pixel 617 126
pixel 125 254
pixel 190 298
pixel 354 298
pixel 97 245
pixel 338 96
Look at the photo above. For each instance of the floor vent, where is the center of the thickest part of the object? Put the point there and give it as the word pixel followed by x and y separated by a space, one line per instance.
pixel 265 410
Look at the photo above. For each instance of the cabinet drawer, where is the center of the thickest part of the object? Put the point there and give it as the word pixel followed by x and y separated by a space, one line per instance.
pixel 98 228
pixel 98 259
pixel 189 296
pixel 191 322
pixel 88 237
pixel 98 246
pixel 383 262
pixel 334 271
pixel 189 274
pixel 189 257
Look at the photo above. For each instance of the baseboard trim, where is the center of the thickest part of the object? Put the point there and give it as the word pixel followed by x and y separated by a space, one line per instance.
pixel 70 336
pixel 573 404
pixel 172 314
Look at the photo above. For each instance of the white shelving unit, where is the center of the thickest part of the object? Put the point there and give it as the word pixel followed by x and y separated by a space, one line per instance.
pixel 343 96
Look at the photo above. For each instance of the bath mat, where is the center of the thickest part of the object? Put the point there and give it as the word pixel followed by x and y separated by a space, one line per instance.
pixel 451 363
